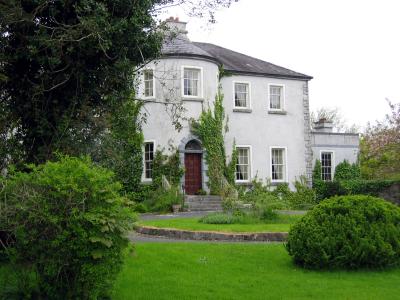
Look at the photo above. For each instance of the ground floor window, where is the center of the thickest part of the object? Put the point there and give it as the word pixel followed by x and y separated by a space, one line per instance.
pixel 278 164
pixel 326 165
pixel 243 164
pixel 148 159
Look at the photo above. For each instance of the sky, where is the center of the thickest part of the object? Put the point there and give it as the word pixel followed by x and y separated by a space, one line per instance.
pixel 350 47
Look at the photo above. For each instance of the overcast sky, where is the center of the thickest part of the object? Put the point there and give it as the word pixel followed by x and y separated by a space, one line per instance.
pixel 350 47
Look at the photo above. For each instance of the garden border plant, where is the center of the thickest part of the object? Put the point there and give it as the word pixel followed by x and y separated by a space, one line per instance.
pixel 350 232
pixel 68 223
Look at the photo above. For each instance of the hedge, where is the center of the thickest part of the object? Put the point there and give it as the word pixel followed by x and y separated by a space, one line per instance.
pixel 327 189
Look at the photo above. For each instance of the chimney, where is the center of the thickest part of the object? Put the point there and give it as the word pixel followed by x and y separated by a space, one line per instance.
pixel 323 125
pixel 177 27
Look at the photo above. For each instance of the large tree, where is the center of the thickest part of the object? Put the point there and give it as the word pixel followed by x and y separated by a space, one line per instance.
pixel 65 65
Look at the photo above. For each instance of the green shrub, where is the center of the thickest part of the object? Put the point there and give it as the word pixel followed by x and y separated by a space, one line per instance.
pixel 304 197
pixel 317 171
pixel 168 166
pixel 217 218
pixel 228 218
pixel 327 189
pixel 347 171
pixel 347 232
pixel 162 200
pixel 69 223
pixel 140 208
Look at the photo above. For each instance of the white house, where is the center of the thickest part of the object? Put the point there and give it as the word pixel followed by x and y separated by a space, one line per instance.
pixel 267 107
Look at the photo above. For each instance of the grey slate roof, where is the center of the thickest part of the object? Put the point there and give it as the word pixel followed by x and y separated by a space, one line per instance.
pixel 232 61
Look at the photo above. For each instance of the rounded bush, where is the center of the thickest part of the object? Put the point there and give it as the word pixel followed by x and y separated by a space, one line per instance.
pixel 69 223
pixel 347 232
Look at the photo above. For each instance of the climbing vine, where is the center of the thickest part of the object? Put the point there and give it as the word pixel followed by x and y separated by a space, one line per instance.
pixel 168 166
pixel 210 128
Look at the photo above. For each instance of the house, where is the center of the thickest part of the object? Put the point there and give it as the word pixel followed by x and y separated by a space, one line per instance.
pixel 267 107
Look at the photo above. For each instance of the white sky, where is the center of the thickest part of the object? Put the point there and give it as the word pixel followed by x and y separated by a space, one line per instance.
pixel 350 47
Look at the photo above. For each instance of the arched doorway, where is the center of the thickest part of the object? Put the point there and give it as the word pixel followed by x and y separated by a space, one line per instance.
pixel 193 170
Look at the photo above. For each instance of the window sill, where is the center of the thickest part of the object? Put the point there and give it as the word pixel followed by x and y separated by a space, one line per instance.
pixel 275 183
pixel 196 99
pixel 277 112
pixel 147 181
pixel 243 182
pixel 242 110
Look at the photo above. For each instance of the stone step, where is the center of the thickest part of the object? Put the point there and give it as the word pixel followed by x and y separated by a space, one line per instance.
pixel 204 206
pixel 203 203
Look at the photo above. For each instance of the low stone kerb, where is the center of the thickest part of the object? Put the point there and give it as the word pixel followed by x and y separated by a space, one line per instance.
pixel 213 235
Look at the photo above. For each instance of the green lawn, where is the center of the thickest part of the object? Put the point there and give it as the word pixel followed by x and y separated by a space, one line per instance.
pixel 282 224
pixel 240 271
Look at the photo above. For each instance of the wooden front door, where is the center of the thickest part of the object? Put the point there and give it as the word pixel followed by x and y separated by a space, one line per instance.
pixel 192 173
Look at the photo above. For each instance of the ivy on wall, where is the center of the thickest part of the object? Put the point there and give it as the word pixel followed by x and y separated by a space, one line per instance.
pixel 210 129
pixel 168 166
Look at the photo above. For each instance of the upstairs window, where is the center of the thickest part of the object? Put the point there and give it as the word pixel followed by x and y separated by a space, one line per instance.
pixel 148 83
pixel 241 91
pixel 191 82
pixel 243 164
pixel 276 97
pixel 278 164
pixel 326 166
pixel 148 160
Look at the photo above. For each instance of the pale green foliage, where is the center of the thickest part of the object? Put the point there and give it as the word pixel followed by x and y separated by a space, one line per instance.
pixel 68 223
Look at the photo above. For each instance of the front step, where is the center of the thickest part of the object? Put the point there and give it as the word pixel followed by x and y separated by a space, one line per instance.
pixel 203 203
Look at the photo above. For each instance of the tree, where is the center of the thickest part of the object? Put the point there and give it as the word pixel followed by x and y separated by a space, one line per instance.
pixel 335 116
pixel 65 64
pixel 380 147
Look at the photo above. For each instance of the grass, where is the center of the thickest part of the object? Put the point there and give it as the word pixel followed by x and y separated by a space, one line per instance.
pixel 241 271
pixel 281 224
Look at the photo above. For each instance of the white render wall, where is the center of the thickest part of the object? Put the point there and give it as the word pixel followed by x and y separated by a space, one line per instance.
pixel 262 130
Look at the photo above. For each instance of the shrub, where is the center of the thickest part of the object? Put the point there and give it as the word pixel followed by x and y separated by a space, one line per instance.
pixel 168 166
pixel 347 171
pixel 304 197
pixel 317 174
pixel 162 200
pixel 69 223
pixel 327 189
pixel 347 232
pixel 217 218
pixel 228 218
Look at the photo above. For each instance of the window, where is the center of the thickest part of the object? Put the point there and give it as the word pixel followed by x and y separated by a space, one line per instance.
pixel 276 94
pixel 148 159
pixel 243 164
pixel 326 165
pixel 148 83
pixel 241 91
pixel 278 164
pixel 191 82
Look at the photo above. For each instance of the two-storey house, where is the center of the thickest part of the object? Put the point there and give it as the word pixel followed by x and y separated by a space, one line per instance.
pixel 267 107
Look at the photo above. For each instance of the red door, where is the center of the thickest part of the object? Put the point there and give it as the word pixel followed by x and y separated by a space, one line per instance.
pixel 192 173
